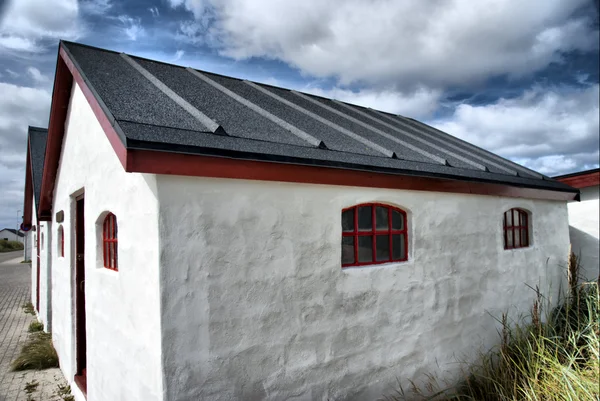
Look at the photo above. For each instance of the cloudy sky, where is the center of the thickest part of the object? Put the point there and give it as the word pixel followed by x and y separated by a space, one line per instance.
pixel 519 78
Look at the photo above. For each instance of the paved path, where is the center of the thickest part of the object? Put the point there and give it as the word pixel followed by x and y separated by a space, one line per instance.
pixel 14 292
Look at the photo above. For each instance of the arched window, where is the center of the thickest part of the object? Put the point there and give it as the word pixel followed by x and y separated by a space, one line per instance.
pixel 516 229
pixel 109 242
pixel 373 233
pixel 61 242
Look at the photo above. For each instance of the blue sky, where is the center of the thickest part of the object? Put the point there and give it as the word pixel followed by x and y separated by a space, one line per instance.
pixel 517 78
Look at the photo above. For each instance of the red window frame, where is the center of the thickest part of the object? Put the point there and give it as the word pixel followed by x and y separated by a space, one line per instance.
pixel 109 242
pixel 61 238
pixel 389 231
pixel 521 217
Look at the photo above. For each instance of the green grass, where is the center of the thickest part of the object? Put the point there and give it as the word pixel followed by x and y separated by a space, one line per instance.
pixel 38 353
pixel 28 308
pixel 35 327
pixel 555 358
pixel 9 246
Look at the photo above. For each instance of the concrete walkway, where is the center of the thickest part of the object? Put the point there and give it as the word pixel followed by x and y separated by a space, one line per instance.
pixel 14 292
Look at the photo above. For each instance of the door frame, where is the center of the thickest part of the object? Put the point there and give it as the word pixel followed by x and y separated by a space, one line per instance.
pixel 37 270
pixel 80 336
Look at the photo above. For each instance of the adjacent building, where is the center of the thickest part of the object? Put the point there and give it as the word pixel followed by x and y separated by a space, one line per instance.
pixel 584 220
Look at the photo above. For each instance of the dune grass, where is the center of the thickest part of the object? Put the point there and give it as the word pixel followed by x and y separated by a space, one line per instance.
pixel 551 359
pixel 35 327
pixel 9 246
pixel 38 353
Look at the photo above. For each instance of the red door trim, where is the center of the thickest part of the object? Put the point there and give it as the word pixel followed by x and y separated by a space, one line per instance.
pixel 80 315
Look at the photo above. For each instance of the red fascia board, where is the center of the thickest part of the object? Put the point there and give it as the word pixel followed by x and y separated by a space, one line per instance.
pixel 66 73
pixel 155 162
pixel 28 200
pixel 582 181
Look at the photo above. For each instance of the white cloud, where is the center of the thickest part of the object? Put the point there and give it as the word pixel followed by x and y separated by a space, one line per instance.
pixel 154 11
pixel 25 23
pixel 132 27
pixel 553 130
pixel 178 55
pixel 19 107
pixel 95 7
pixel 430 42
pixel 418 104
pixel 37 76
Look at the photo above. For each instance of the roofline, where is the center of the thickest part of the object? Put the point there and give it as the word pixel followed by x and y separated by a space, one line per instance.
pixel 171 162
pixel 578 173
pixel 28 193
pixel 581 179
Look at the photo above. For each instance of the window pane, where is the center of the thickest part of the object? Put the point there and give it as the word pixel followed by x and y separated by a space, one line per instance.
pixel 383 247
pixel 524 239
pixel 381 218
pixel 397 220
pixel 515 217
pixel 365 248
pixel 347 250
pixel 509 241
pixel 348 220
pixel 398 248
pixel 365 218
pixel 517 238
pixel 508 217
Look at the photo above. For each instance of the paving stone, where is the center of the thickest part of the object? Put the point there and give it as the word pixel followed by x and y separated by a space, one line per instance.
pixel 14 292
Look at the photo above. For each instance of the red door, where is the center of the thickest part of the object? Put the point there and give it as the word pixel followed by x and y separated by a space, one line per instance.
pixel 37 272
pixel 80 330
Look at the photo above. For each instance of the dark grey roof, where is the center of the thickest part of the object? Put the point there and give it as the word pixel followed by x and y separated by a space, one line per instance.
pixel 12 230
pixel 159 106
pixel 37 142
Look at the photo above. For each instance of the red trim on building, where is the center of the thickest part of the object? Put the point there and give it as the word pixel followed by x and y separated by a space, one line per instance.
pixel 143 161
pixel 581 180
pixel 109 242
pixel 66 72
pixel 389 231
pixel 513 228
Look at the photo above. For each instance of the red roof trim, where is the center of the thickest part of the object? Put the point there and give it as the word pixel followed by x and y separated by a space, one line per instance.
pixel 144 161
pixel 583 180
pixel 28 201
pixel 66 72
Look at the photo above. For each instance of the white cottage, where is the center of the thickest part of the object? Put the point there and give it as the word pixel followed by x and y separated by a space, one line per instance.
pixel 38 232
pixel 584 220
pixel 222 239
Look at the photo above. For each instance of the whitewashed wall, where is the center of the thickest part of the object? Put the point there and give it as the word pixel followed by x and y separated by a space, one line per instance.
pixel 122 308
pixel 256 306
pixel 44 313
pixel 584 219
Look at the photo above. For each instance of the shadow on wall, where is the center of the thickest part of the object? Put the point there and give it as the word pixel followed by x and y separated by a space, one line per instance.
pixel 588 248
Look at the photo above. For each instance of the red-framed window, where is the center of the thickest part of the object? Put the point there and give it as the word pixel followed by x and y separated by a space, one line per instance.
pixel 109 242
pixel 373 233
pixel 61 242
pixel 516 229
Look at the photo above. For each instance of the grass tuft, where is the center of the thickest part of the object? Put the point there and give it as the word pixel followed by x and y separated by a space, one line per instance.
pixel 38 353
pixel 28 308
pixel 9 246
pixel 551 359
pixel 35 327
